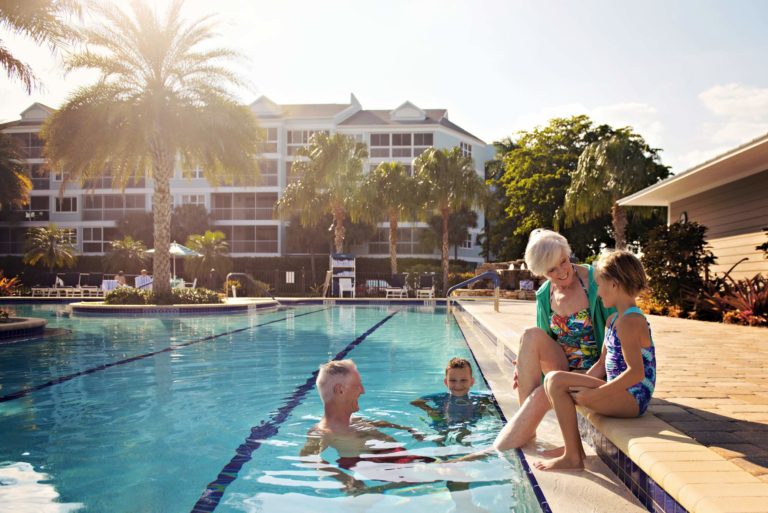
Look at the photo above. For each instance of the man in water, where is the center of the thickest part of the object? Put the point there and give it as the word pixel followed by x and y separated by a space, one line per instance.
pixel 355 439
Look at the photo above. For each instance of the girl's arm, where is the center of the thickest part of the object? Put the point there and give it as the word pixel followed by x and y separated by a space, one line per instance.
pixel 633 333
pixel 598 369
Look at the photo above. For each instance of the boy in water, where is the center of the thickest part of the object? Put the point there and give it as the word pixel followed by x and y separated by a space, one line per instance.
pixel 458 408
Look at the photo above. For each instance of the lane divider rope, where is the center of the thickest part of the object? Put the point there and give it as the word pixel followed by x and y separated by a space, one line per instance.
pixel 213 493
pixel 61 379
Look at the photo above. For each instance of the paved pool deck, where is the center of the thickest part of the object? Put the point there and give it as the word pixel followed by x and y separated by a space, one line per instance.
pixel 705 437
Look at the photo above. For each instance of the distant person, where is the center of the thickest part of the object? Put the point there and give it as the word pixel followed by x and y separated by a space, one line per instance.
pixel 570 324
pixel 120 279
pixel 354 439
pixel 213 279
pixel 628 357
pixel 458 409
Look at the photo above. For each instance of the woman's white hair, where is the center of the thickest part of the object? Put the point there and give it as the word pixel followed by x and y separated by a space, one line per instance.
pixel 545 248
pixel 331 373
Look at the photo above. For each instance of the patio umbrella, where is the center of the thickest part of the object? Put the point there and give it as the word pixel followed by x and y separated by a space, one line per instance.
pixel 178 250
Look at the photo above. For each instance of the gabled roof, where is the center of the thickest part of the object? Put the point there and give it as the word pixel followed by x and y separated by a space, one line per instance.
pixel 746 160
pixel 384 118
pixel 28 118
pixel 266 108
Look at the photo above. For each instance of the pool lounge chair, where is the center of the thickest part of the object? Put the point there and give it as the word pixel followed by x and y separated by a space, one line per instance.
pixel 46 285
pixel 397 286
pixel 345 285
pixel 426 286
pixel 90 283
pixel 71 285
pixel 143 282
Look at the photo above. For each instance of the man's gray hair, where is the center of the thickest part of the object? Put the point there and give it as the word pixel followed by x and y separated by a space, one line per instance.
pixel 545 249
pixel 331 373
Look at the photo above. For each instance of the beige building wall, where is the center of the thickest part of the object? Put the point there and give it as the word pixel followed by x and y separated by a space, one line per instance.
pixel 735 215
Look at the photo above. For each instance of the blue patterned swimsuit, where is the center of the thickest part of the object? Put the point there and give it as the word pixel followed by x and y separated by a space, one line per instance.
pixel 615 363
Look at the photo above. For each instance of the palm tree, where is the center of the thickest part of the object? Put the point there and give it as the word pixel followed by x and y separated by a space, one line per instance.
pixel 43 21
pixel 388 192
pixel 328 181
pixel 49 246
pixel 16 183
pixel 214 251
pixel 609 169
pixel 125 252
pixel 163 93
pixel 447 183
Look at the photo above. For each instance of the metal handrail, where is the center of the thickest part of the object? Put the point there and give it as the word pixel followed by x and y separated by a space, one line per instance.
pixel 487 275
pixel 234 290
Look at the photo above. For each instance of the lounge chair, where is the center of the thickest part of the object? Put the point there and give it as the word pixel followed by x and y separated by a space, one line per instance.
pixel 90 283
pixel 191 285
pixel 345 285
pixel 143 282
pixel 426 286
pixel 72 285
pixel 46 286
pixel 397 286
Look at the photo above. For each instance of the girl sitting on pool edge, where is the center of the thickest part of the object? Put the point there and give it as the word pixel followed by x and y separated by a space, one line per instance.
pixel 628 356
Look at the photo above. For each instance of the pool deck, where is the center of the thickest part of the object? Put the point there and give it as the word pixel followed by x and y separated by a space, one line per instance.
pixel 705 436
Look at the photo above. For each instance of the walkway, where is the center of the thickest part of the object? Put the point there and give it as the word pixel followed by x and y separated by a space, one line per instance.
pixel 712 385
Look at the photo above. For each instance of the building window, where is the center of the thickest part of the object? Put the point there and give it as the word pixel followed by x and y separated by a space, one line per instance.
pixel 68 204
pixel 193 199
pixel 409 242
pixel 39 177
pixel 379 146
pixel 467 244
pixel 299 138
pixel 111 207
pixel 423 140
pixel 70 235
pixel 466 149
pixel 268 168
pixel 266 239
pixel 30 144
pixel 97 240
pixel 270 144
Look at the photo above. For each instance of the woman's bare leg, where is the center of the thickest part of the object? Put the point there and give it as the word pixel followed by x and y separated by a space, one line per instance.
pixel 538 354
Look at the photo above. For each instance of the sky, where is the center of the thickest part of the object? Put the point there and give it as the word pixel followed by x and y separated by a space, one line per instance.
pixel 691 76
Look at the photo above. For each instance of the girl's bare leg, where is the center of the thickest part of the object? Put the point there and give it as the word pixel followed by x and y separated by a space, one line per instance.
pixel 557 386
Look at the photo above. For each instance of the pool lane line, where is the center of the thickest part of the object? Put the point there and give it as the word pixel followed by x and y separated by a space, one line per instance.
pixel 213 493
pixel 26 391
pixel 543 504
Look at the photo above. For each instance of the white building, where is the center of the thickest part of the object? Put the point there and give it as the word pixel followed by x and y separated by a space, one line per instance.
pixel 244 213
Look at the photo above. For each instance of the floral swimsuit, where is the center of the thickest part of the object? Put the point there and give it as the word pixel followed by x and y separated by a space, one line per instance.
pixel 576 336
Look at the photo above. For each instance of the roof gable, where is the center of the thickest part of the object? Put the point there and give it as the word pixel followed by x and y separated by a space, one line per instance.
pixel 264 107
pixel 36 112
pixel 408 112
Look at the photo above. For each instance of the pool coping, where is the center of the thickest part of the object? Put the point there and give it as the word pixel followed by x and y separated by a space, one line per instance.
pixel 230 306
pixel 26 327
pixel 665 469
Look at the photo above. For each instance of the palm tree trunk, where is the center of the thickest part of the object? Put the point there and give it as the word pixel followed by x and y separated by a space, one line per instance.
pixel 619 216
pixel 393 243
pixel 338 227
pixel 161 208
pixel 445 213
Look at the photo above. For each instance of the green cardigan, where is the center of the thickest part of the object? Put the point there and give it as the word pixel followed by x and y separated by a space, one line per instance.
pixel 599 314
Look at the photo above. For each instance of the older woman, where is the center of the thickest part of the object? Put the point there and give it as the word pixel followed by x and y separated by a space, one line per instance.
pixel 570 323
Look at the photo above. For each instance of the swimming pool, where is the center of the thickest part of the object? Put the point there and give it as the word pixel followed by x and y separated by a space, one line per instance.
pixel 199 414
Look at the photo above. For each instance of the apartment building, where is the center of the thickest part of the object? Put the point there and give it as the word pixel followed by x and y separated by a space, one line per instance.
pixel 245 213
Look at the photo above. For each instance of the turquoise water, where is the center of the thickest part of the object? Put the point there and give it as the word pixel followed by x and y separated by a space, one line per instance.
pixel 149 435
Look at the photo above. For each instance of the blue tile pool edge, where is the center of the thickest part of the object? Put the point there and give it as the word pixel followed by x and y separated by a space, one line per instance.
pixel 650 494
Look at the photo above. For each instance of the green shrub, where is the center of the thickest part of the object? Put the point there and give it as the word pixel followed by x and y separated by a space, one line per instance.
pixel 676 260
pixel 128 296
pixel 131 296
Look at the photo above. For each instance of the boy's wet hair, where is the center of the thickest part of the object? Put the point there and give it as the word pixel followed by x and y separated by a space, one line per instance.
pixel 458 363
pixel 625 269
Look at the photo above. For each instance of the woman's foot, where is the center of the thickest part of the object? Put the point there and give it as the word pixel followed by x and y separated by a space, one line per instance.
pixel 552 453
pixel 562 463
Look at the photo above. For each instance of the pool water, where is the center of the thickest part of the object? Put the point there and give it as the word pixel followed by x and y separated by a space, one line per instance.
pixel 87 427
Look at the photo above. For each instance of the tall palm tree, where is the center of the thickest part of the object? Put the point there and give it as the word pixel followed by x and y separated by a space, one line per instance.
pixel 608 170
pixel 163 93
pixel 13 176
pixel 327 181
pixel 43 21
pixel 448 182
pixel 49 246
pixel 214 251
pixel 124 252
pixel 388 192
